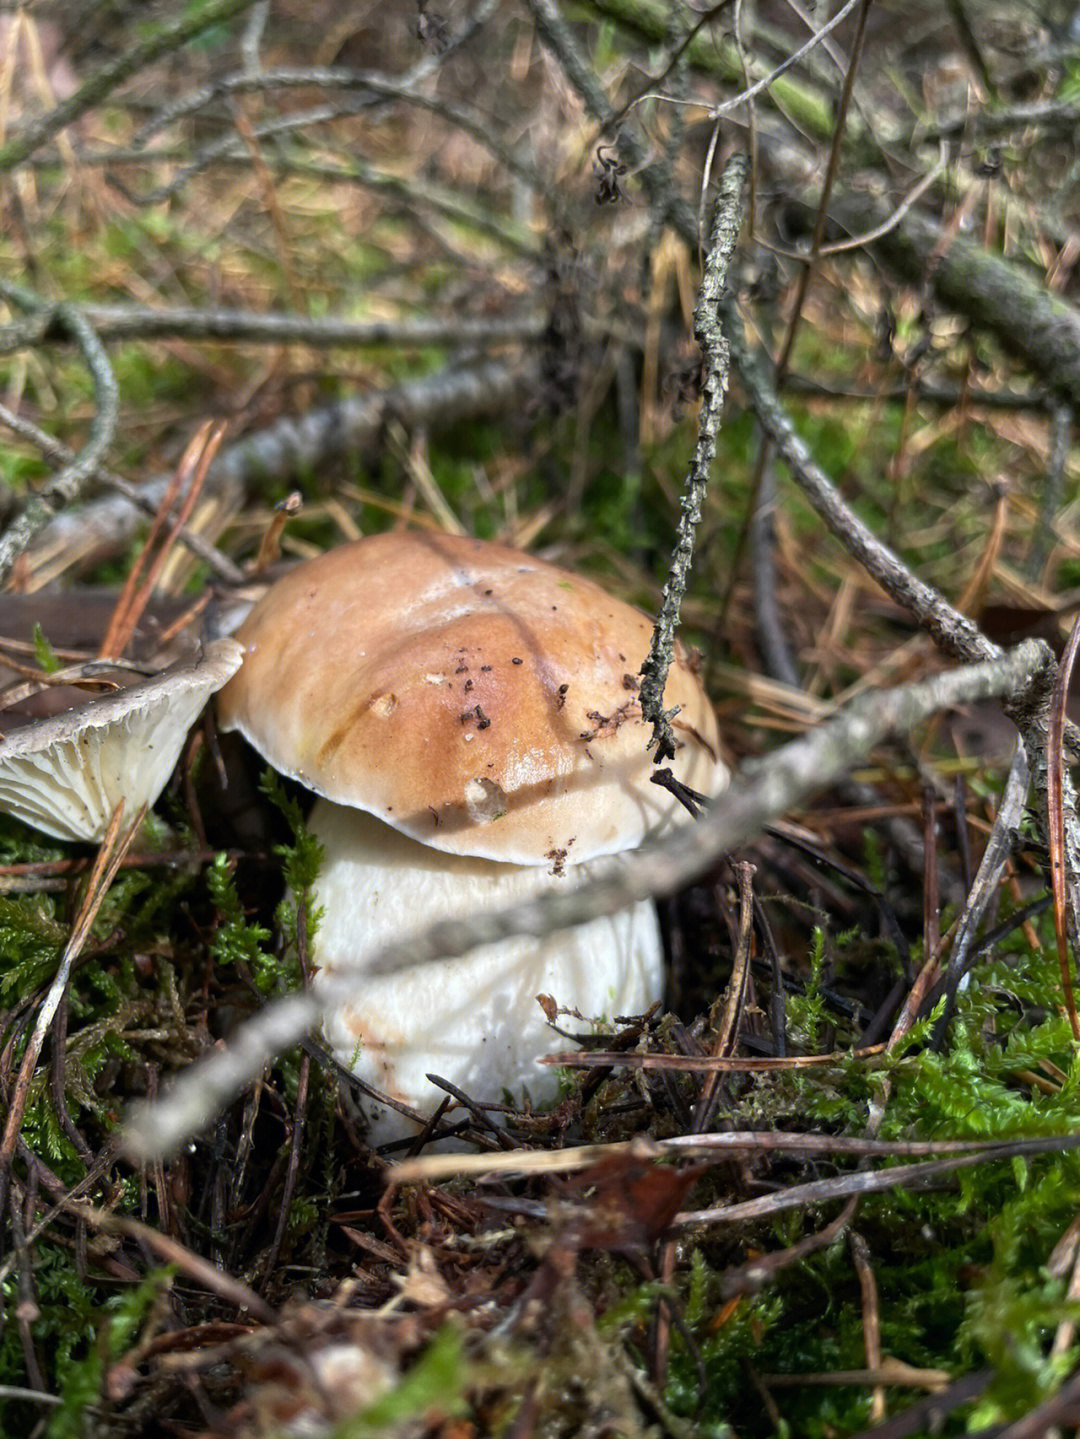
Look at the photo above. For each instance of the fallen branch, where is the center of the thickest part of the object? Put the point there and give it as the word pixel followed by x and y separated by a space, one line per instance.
pixel 292 447
pixel 759 792
pixel 69 482
pixel 140 322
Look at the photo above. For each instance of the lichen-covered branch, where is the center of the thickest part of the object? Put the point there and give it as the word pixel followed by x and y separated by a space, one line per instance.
pixel 69 482
pixel 727 219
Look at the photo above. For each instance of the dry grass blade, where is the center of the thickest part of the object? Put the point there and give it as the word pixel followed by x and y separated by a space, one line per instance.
pixel 429 1168
pixel 892 1372
pixel 228 1288
pixel 871 1316
pixel 113 848
pixel 1055 820
pixel 134 598
pixel 704 1063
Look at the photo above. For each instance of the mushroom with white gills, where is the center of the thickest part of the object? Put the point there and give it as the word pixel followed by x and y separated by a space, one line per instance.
pixel 89 773
pixel 469 716
pixel 66 774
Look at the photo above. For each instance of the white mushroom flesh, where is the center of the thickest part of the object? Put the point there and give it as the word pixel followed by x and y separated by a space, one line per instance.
pixel 473 1020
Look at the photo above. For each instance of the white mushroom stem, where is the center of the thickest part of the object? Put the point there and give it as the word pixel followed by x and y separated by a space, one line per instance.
pixel 474 1020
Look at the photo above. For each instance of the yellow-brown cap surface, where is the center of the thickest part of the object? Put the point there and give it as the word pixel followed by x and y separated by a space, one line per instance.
pixel 472 696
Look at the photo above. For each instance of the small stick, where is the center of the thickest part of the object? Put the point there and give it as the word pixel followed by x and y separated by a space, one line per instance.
pixel 736 997
pixel 710 334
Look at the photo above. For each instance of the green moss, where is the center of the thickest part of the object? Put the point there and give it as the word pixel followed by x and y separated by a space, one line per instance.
pixel 959 1266
pixel 437 1381
pixel 89 1349
pixel 237 940
pixel 31 939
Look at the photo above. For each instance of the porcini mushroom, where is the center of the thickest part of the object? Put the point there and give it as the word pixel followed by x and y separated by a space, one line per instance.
pixel 66 774
pixel 469 716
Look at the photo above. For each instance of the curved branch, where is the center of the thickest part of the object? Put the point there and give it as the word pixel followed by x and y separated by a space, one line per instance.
pixel 167 39
pixel 760 791
pixel 68 483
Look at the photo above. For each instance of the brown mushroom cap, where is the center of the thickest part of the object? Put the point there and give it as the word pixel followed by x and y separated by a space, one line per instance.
pixel 472 696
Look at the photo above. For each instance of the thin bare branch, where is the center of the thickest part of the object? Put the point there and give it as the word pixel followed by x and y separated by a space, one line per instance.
pixel 727 220
pixel 758 793
pixel 138 322
pixel 67 485
pixel 164 40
